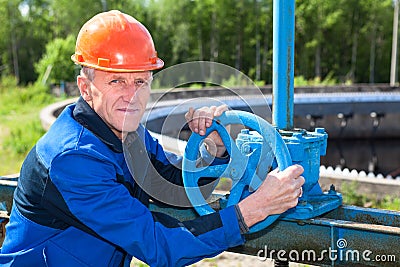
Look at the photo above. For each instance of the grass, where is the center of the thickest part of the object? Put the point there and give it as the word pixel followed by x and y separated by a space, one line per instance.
pixel 18 134
pixel 20 125
pixel 351 197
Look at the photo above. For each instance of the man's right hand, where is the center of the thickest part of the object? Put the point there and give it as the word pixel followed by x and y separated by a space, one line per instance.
pixel 279 192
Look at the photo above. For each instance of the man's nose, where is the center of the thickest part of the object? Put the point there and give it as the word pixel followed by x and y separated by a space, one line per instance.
pixel 130 92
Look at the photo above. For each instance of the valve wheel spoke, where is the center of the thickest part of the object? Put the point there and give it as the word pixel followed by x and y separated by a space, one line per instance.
pixel 210 171
pixel 245 170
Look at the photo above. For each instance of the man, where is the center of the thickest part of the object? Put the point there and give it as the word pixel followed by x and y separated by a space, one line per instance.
pixel 77 203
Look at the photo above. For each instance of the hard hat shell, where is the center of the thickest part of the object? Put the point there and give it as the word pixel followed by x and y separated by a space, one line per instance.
pixel 116 42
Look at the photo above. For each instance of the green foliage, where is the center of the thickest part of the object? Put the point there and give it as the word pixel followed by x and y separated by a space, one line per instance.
pixel 21 99
pixel 328 80
pixel 23 136
pixel 352 197
pixel 390 203
pixel 237 81
pixel 348 40
pixel 20 127
pixel 7 82
pixel 15 99
pixel 69 15
pixel 57 60
pixel 300 81
pixel 195 86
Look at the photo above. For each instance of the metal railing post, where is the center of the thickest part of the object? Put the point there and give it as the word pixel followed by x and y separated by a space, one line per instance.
pixel 283 63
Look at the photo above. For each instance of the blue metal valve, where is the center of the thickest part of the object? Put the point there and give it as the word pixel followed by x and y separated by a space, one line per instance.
pixel 306 148
pixel 252 155
pixel 249 161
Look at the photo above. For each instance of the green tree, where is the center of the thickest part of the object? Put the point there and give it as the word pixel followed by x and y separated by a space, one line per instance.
pixel 171 29
pixel 316 22
pixel 56 64
pixel 376 39
pixel 9 21
pixel 70 15
pixel 25 29
pixel 36 31
pixel 339 39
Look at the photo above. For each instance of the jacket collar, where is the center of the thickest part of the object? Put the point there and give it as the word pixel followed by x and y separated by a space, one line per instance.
pixel 89 119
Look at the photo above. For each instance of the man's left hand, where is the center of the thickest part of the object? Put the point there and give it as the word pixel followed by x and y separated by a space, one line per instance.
pixel 200 119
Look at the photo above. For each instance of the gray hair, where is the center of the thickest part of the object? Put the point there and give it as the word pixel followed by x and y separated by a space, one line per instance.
pixel 88 72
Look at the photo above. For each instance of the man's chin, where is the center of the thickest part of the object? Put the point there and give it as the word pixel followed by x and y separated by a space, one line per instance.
pixel 130 127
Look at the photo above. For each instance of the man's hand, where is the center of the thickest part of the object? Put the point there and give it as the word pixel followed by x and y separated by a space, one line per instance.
pixel 279 192
pixel 199 120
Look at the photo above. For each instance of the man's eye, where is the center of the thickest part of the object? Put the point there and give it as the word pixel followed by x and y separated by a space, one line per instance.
pixel 117 81
pixel 139 82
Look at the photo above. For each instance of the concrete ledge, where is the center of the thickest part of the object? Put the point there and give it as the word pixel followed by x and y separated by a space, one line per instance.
pixel 368 184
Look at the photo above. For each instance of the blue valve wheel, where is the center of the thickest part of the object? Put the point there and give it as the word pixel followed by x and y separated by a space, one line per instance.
pixel 247 170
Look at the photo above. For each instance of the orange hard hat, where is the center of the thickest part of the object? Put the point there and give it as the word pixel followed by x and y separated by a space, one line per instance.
pixel 116 42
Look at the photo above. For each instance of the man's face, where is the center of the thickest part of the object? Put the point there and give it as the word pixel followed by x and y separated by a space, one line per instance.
pixel 120 99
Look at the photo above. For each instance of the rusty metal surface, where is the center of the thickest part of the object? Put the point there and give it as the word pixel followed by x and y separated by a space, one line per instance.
pixel 334 243
pixel 324 241
pixel 366 215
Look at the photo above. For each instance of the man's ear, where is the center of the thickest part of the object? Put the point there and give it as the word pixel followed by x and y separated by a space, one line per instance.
pixel 84 87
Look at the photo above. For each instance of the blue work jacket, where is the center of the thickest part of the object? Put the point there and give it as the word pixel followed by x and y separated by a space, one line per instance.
pixel 77 204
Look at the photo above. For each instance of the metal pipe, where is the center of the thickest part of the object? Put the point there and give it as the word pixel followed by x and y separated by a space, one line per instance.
pixel 283 63
pixel 347 236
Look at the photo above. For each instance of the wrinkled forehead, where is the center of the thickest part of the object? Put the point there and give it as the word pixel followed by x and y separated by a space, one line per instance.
pixel 145 75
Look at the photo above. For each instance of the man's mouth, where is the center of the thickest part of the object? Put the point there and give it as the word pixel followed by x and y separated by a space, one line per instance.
pixel 128 110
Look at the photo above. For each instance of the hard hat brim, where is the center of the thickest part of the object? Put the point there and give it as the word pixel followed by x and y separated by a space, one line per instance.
pixel 157 65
